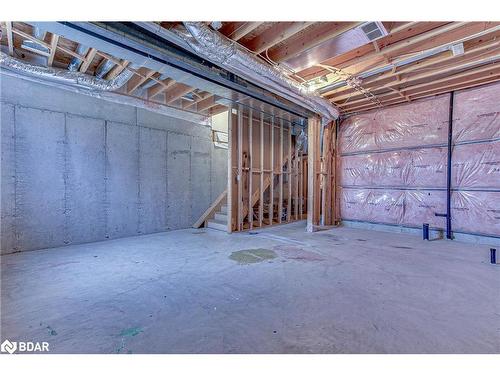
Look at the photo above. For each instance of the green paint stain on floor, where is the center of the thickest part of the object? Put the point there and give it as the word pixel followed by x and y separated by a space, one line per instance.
pixel 51 331
pixel 129 332
pixel 250 256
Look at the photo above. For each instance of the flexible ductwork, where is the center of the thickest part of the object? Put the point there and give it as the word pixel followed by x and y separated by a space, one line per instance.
pixel 113 97
pixel 230 55
pixel 75 63
pixel 64 76
pixel 28 44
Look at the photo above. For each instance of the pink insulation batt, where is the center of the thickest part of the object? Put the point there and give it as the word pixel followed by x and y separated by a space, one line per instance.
pixel 393 163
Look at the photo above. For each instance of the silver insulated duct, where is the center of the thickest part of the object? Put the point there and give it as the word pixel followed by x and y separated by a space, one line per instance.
pixel 64 76
pixel 33 46
pixel 75 63
pixel 228 54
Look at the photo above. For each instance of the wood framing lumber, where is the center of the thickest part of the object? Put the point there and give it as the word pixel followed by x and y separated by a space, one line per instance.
pixel 240 169
pixel 229 189
pixel 89 57
pixel 261 177
pixel 210 211
pixel 53 49
pixel 245 29
pixel 313 157
pixel 10 40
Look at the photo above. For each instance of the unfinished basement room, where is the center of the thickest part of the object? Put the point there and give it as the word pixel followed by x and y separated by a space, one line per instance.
pixel 237 187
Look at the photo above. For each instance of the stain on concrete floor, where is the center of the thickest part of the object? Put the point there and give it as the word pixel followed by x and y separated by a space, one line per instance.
pixel 332 237
pixel 129 332
pixel 250 256
pixel 297 253
pixel 51 331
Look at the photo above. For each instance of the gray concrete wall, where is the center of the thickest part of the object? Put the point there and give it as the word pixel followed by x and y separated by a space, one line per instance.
pixel 79 169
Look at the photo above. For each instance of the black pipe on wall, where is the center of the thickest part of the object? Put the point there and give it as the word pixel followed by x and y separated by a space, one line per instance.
pixel 448 171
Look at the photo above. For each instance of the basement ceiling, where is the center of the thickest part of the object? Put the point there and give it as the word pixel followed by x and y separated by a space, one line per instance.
pixel 59 52
pixel 413 60
pixel 357 66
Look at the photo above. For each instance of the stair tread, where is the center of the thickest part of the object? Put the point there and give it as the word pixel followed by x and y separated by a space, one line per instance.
pixel 221 216
pixel 217 221
pixel 214 224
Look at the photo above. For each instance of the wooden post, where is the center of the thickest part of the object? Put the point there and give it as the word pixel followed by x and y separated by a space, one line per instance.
pixel 330 180
pixel 261 199
pixel 301 186
pixel 250 168
pixel 271 187
pixel 296 182
pixel 323 176
pixel 313 166
pixel 334 174
pixel 290 175
pixel 240 168
pixel 230 170
pixel 280 189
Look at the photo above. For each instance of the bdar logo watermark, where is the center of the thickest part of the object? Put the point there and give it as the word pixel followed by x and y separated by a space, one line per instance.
pixel 23 346
pixel 9 347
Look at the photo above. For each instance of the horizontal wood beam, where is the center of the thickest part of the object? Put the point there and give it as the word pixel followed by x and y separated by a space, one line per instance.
pixel 279 32
pixel 461 86
pixel 347 59
pixel 443 84
pixel 219 108
pixel 433 74
pixel 317 35
pixel 87 60
pixel 202 97
pixel 175 91
pixel 244 30
pixel 53 48
pixel 117 69
pixel 443 36
pixel 206 103
pixel 367 61
pixel 471 53
pixel 45 44
pixel 450 33
pixel 140 77
pixel 160 87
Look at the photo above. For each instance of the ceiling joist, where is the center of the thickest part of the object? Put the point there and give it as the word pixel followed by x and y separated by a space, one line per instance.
pixel 414 60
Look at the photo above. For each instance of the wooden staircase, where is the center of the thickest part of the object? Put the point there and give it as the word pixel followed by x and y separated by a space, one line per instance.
pixel 215 216
pixel 219 221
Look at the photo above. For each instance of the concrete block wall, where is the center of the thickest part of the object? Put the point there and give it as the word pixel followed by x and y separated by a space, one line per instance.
pixel 79 169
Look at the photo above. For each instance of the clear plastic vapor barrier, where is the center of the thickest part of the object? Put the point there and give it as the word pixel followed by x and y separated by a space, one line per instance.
pixel 393 163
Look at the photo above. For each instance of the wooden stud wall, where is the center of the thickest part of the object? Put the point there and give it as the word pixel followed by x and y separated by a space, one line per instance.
pixel 321 170
pixel 267 177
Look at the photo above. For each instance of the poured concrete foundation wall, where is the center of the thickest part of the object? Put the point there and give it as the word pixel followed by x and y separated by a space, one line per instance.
pixel 79 169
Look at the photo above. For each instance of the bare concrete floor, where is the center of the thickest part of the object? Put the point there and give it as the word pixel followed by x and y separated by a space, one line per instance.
pixel 190 291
